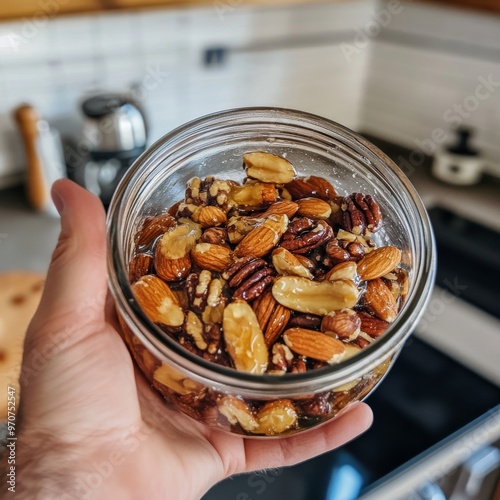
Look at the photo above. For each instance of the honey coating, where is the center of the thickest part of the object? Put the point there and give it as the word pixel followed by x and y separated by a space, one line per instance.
pixel 276 276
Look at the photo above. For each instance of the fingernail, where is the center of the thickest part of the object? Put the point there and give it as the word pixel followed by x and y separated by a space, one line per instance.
pixel 58 202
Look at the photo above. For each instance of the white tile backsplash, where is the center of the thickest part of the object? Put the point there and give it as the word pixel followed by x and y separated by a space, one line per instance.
pixel 424 67
pixel 278 56
pixel 290 56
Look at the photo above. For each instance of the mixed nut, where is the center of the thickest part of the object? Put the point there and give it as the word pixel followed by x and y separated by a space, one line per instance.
pixel 277 275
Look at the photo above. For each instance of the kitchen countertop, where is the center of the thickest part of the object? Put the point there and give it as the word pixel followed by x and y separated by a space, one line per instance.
pixel 27 238
pixel 479 203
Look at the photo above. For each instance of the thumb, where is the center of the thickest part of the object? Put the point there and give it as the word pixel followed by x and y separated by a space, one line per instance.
pixel 76 282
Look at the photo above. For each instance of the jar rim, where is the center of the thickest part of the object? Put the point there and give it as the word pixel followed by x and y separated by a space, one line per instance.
pixel 198 368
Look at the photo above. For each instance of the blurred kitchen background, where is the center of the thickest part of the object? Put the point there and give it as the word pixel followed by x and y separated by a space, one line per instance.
pixel 86 85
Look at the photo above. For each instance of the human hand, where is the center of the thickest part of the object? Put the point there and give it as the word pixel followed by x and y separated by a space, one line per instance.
pixel 90 426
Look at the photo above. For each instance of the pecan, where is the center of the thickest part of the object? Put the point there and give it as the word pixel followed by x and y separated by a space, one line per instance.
pixel 308 321
pixel 206 296
pixel 186 209
pixel 304 235
pixel 299 365
pixel 194 328
pixel 282 357
pixel 253 196
pixel 303 187
pixel 249 277
pixel 343 251
pixel 317 406
pixel 210 191
pixel 361 213
pixel 216 351
pixel 215 236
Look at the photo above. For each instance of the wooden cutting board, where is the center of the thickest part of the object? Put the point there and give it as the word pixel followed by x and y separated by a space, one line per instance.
pixel 20 293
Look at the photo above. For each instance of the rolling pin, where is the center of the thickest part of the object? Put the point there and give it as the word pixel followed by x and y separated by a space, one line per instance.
pixel 37 135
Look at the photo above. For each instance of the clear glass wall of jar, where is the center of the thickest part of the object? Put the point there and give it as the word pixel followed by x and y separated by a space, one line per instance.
pixel 214 145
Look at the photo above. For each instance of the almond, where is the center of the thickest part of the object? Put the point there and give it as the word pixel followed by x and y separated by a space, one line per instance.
pixel 257 242
pixel 288 208
pixel 342 271
pixel 244 338
pixel 314 345
pixel 139 266
pixel 379 262
pixel 314 208
pixel 286 263
pixel 212 257
pixel 267 167
pixel 379 300
pixel 272 316
pixel 345 324
pixel 210 216
pixel 157 301
pixel 374 327
pixel 311 186
pixel 237 412
pixel 315 297
pixel 172 259
pixel 152 227
pixel 276 417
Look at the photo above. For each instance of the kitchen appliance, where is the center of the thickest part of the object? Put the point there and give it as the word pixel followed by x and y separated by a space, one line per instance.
pixel 114 135
pixel 432 413
pixel 459 164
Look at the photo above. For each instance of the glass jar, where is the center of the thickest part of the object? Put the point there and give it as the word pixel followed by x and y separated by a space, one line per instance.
pixel 221 397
